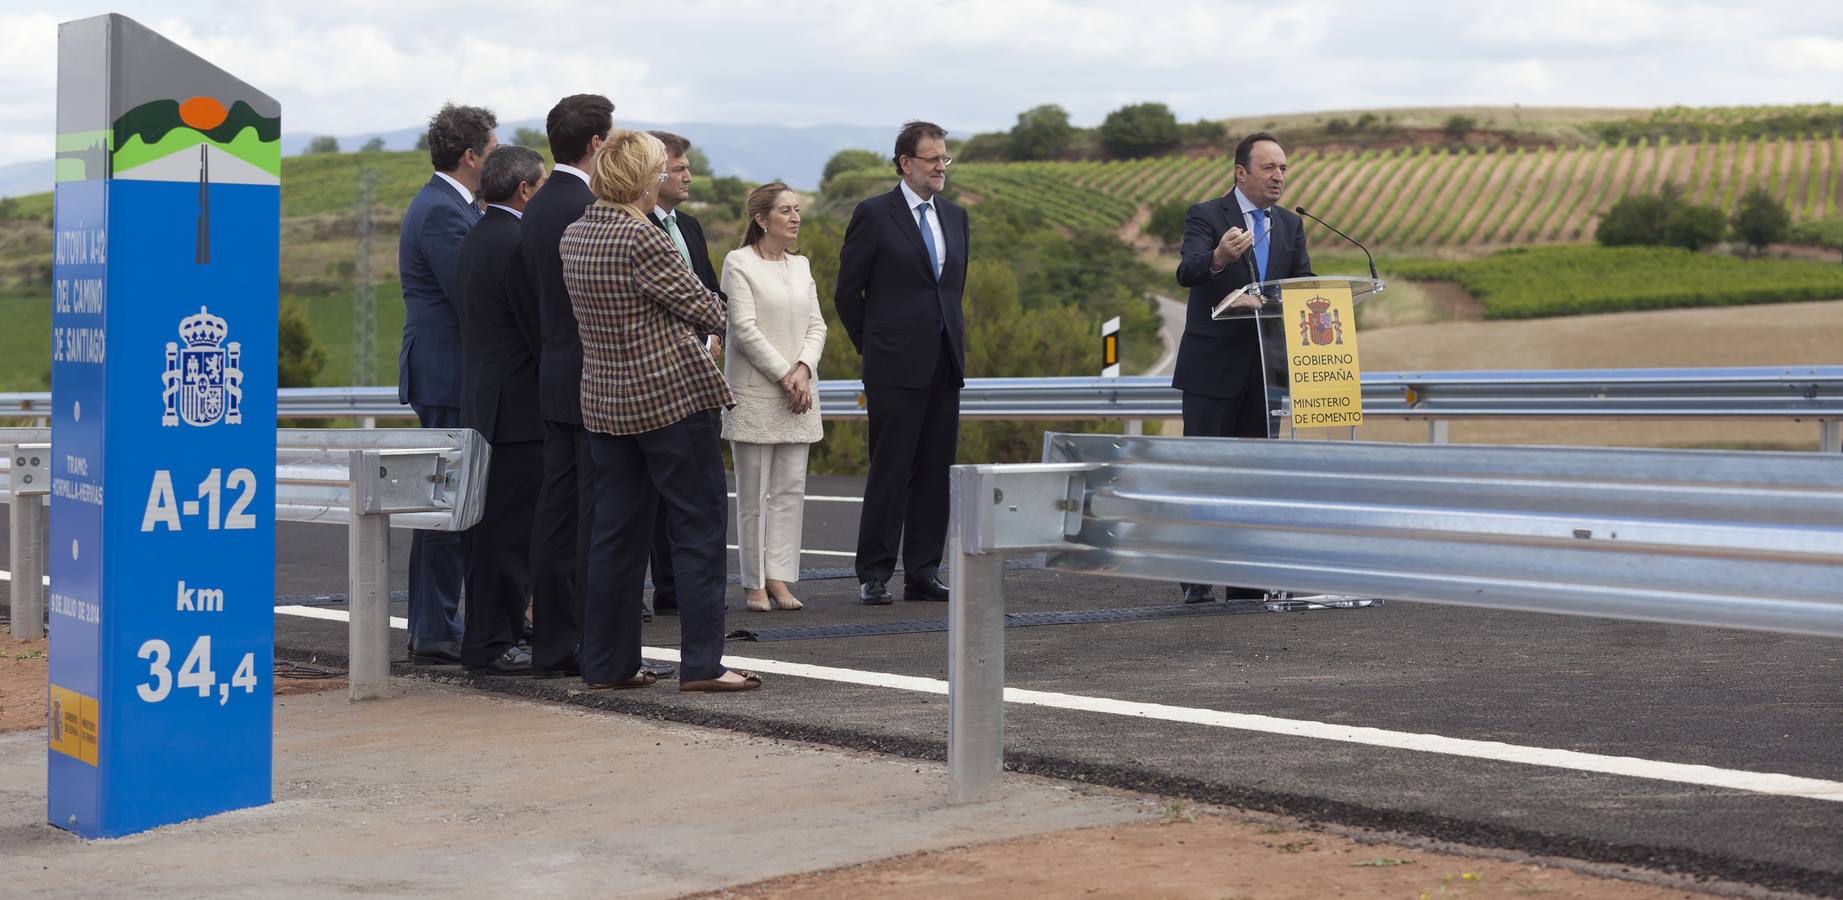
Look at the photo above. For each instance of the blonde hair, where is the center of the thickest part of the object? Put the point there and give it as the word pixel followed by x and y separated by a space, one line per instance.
pixel 761 203
pixel 628 163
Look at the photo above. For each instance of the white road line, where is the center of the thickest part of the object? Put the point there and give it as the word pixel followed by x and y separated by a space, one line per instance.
pixel 1631 767
pixel 820 498
pixel 333 615
pixel 8 576
pixel 844 553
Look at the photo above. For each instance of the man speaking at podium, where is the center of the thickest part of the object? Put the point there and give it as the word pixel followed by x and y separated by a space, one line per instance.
pixel 1226 242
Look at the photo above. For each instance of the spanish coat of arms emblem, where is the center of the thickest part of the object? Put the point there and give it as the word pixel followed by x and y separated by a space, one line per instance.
pixel 1320 325
pixel 203 381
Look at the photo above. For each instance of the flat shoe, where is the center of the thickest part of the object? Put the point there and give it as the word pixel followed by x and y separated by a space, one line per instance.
pixel 750 681
pixel 641 679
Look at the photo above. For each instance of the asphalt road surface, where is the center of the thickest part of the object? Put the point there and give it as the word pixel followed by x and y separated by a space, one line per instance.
pixel 1695 750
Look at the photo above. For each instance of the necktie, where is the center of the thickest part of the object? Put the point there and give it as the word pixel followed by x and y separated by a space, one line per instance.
pixel 684 252
pixel 934 255
pixel 1260 245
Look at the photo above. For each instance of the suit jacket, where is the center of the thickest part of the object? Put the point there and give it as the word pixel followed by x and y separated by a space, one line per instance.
pixel 553 208
pixel 429 365
pixel 499 333
pixel 1216 358
pixel 643 317
pixel 693 232
pixel 893 308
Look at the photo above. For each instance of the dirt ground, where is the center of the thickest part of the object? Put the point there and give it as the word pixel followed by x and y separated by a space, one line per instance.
pixel 1142 847
pixel 1202 856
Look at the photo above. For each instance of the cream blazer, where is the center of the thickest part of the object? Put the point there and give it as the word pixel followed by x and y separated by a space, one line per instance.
pixel 774 323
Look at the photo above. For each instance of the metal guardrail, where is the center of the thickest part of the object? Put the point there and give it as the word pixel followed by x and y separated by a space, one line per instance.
pixel 367 479
pixel 1813 393
pixel 1730 539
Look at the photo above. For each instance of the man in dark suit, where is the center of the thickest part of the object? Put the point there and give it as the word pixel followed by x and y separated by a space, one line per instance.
pixel 577 125
pixel 429 365
pixel 688 236
pixel 901 273
pixel 499 398
pixel 1226 242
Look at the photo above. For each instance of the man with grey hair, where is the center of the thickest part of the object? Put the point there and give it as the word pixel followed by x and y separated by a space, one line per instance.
pixel 500 340
pixel 429 365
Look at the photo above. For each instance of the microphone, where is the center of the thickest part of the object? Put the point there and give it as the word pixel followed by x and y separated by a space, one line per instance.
pixel 1372 260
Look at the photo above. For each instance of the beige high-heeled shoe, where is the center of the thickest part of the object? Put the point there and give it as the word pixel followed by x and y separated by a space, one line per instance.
pixel 787 602
pixel 755 604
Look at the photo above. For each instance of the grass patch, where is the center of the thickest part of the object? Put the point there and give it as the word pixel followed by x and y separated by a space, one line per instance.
pixel 1525 283
pixel 25 342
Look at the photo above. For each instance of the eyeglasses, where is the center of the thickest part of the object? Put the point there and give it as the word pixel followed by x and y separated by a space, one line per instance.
pixel 943 160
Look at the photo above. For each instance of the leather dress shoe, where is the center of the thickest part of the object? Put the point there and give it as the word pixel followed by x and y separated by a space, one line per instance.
pixel 928 589
pixel 1198 593
pixel 438 653
pixel 569 667
pixel 512 662
pixel 874 592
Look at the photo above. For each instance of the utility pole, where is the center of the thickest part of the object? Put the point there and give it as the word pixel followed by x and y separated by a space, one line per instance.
pixel 365 295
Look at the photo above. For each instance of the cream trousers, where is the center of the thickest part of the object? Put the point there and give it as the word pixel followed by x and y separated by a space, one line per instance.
pixel 770 504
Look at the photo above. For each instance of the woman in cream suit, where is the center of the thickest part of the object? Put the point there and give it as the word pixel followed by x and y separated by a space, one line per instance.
pixel 776 334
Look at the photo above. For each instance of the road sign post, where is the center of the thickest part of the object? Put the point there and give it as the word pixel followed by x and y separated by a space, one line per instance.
pixel 162 542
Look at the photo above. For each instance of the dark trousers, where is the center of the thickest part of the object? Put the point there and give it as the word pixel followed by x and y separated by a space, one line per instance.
pixel 560 551
pixel 914 433
pixel 1244 417
pixel 678 466
pixel 437 564
pixel 498 551
pixel 665 586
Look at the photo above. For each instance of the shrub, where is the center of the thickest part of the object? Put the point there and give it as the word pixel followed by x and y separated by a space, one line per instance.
pixel 1042 132
pixel 849 160
pixel 1143 129
pixel 325 143
pixel 1167 221
pixel 1760 220
pixel 299 356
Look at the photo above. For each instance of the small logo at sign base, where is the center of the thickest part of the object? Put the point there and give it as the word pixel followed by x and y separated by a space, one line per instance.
pixel 203 380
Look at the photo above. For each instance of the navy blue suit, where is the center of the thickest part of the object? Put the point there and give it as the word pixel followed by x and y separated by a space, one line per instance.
pixel 1219 361
pixel 566 501
pixel 429 380
pixel 910 328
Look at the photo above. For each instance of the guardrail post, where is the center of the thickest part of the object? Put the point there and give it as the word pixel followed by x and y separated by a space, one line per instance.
pixel 975 648
pixel 367 587
pixel 1830 436
pixel 31 484
pixel 1437 432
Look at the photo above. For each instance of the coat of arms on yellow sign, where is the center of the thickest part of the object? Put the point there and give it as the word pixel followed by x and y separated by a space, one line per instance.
pixel 1323 374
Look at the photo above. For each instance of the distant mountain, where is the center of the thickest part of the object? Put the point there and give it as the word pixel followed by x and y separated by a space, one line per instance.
pixel 749 152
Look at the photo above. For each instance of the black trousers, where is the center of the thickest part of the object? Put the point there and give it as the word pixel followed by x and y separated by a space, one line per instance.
pixel 665 585
pixel 437 564
pixel 678 466
pixel 914 433
pixel 1244 417
pixel 560 552
pixel 498 550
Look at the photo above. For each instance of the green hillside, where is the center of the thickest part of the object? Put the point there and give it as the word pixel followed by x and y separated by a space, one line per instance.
pixel 1442 198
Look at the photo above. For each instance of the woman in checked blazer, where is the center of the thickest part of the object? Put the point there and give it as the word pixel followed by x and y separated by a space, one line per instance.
pixel 648 385
pixel 776 334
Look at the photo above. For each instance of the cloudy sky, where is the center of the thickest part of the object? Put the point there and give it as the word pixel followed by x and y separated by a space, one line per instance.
pixel 347 66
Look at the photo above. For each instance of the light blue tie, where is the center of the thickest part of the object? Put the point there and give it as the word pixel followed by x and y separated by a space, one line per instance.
pixel 1260 246
pixel 934 256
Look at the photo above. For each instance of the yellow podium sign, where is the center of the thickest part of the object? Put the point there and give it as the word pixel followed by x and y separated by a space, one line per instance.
pixel 1323 376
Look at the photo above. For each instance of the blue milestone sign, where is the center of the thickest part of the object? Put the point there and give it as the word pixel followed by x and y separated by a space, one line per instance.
pixel 163 434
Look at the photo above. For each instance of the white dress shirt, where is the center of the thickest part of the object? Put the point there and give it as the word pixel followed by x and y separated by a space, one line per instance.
pixel 561 167
pixel 466 194
pixel 934 224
